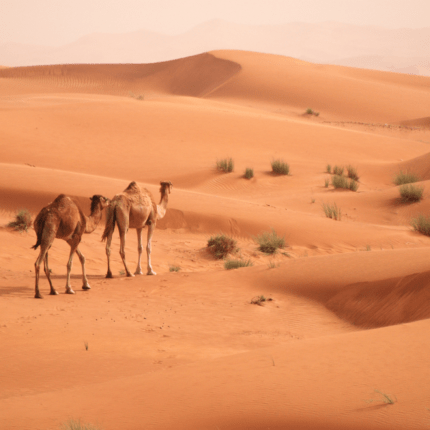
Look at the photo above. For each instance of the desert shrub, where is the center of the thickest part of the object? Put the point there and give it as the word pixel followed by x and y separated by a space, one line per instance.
pixel 235 264
pixel 352 172
pixel 343 182
pixel 225 165
pixel 269 242
pixel 332 211
pixel 328 168
pixel 310 111
pixel 22 221
pixel 77 425
pixel 221 245
pixel 402 178
pixel 338 170
pixel 174 268
pixel 421 225
pixel 249 173
pixel 279 167
pixel 259 300
pixel 410 193
pixel 326 182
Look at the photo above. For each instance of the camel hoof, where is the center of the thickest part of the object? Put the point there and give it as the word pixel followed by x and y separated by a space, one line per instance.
pixel 138 272
pixel 151 273
pixel 130 275
pixel 69 291
pixel 38 296
pixel 86 287
pixel 109 275
pixel 54 293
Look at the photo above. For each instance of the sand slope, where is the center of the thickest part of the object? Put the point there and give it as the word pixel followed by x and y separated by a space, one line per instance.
pixel 349 312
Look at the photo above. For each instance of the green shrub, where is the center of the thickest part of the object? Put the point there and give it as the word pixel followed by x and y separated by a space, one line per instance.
pixel 279 167
pixel 174 268
pixel 343 182
pixel 338 170
pixel 352 173
pixel 402 178
pixel 410 193
pixel 421 225
pixel 225 165
pixel 326 182
pixel 310 111
pixel 332 211
pixel 328 168
pixel 269 242
pixel 249 173
pixel 235 264
pixel 22 221
pixel 353 185
pixel 221 245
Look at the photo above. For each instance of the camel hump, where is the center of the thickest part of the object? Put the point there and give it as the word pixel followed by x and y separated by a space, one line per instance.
pixel 132 188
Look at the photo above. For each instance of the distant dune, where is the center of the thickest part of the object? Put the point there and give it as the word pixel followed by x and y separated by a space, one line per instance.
pixel 401 50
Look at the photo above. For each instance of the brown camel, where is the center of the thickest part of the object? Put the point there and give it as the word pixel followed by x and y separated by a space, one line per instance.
pixel 63 219
pixel 134 208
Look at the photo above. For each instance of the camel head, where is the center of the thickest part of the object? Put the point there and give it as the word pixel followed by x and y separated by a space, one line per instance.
pixel 96 200
pixel 166 187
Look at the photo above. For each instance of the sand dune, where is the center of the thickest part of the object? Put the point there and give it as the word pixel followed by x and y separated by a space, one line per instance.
pixel 349 313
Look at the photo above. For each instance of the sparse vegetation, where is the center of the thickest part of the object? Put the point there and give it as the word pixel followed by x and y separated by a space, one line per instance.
pixel 310 111
pixel 78 425
pixel 328 168
pixel 249 173
pixel 225 165
pixel 421 225
pixel 326 182
pixel 386 398
pixel 272 264
pixel 279 167
pixel 352 173
pixel 403 178
pixel 332 211
pixel 269 242
pixel 174 268
pixel 86 346
pixel 221 245
pixel 410 193
pixel 343 182
pixel 236 264
pixel 338 170
pixel 22 221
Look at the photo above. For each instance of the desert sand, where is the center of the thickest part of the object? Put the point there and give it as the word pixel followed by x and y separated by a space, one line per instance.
pixel 349 317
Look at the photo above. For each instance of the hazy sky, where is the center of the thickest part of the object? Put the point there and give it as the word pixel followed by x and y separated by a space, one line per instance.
pixel 55 22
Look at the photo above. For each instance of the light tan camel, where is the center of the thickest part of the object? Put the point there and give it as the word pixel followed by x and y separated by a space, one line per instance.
pixel 134 208
pixel 63 219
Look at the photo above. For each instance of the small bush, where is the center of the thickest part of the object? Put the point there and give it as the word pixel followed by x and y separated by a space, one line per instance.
pixel 352 173
pixel 338 170
pixel 279 167
pixel 328 168
pixel 77 425
pixel 342 182
pixel 410 193
pixel 421 225
pixel 249 173
pixel 310 111
pixel 259 300
pixel 269 242
pixel 225 165
pixel 22 221
pixel 326 182
pixel 332 211
pixel 402 178
pixel 174 268
pixel 353 185
pixel 221 245
pixel 235 264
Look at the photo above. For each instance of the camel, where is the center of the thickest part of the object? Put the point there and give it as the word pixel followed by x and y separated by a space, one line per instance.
pixel 134 208
pixel 64 219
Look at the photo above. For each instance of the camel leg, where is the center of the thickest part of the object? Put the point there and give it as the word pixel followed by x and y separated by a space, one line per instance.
pixel 86 285
pixel 151 228
pixel 41 257
pixel 108 245
pixel 139 250
pixel 122 233
pixel 48 275
pixel 73 247
pixel 47 239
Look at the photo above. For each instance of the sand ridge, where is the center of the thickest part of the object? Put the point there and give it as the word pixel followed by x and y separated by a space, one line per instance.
pixel 349 309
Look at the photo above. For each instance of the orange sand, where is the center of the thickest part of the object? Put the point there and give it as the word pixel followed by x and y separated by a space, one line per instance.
pixel 187 350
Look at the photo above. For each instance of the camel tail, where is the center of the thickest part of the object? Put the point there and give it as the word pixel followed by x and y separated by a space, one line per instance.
pixel 39 224
pixel 110 222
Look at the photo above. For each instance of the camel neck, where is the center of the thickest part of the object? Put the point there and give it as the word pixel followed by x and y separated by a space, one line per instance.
pixel 162 206
pixel 93 220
